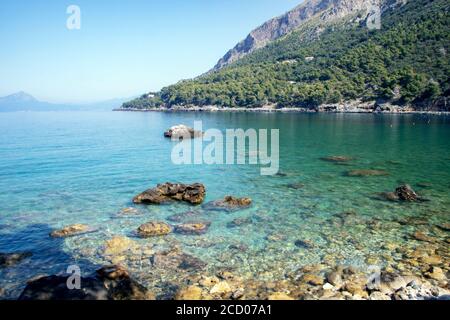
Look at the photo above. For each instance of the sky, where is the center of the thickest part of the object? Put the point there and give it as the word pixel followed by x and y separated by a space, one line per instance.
pixel 123 48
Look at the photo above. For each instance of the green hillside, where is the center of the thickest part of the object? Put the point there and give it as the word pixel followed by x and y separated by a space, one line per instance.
pixel 405 62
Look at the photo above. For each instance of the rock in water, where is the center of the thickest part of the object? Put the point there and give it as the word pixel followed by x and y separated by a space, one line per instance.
pixel 69 231
pixel 337 159
pixel 176 259
pixel 180 217
pixel 11 259
pixel 163 193
pixel 390 196
pixel 118 245
pixel 304 244
pixel 113 272
pixel 55 288
pixel 193 228
pixel 109 283
pixel 229 204
pixel 190 293
pixel 367 173
pixel 406 193
pixel 181 132
pixel 153 229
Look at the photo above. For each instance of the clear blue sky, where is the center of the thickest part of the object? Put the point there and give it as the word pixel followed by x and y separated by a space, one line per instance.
pixel 124 48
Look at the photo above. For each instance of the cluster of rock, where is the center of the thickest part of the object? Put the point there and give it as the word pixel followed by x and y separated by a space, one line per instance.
pixel 163 193
pixel 313 282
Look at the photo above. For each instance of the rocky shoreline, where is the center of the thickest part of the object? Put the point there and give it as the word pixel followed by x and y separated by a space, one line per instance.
pixel 421 273
pixel 150 263
pixel 346 107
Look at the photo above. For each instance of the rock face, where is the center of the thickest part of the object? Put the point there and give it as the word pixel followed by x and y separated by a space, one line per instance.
pixel 69 231
pixel 11 259
pixel 109 283
pixel 322 11
pixel 229 204
pixel 181 132
pixel 163 193
pixel 153 229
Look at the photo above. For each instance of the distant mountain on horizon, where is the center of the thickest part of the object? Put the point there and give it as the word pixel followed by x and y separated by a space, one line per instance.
pixel 23 101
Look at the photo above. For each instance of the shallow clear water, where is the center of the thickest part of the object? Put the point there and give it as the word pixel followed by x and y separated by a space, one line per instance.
pixel 58 169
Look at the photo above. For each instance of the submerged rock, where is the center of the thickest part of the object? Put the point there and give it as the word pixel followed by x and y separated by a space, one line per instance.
pixel 154 229
pixel 11 259
pixel 118 245
pixel 295 186
pixel 420 236
pixel 189 293
pixel 163 193
pixel 389 196
pixel 367 173
pixel 279 296
pixel 181 132
pixel 335 278
pixel 424 185
pixel 337 159
pixel 109 283
pixel 193 228
pixel 176 259
pixel 229 203
pixel 113 272
pixel 129 212
pixel 70 231
pixel 304 244
pixel 436 273
pixel 180 217
pixel 444 226
pixel 313 279
pixel 239 222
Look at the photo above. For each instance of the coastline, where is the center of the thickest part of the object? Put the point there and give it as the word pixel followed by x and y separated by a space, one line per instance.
pixel 285 110
pixel 354 107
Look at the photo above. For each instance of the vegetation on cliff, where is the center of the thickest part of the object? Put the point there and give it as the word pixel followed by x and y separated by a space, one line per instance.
pixel 405 62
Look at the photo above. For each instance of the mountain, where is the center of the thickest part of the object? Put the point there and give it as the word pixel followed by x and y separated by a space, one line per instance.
pixel 22 101
pixel 323 10
pixel 322 55
pixel 19 97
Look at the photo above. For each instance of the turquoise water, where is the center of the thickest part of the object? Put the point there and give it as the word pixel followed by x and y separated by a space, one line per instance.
pixel 62 168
